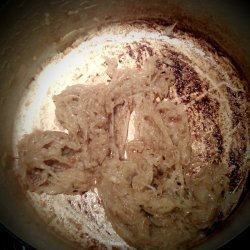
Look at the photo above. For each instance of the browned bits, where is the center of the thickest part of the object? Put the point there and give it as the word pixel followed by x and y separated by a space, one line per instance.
pixel 140 52
pixel 235 161
pixel 235 99
pixel 207 107
pixel 130 51
pixel 219 140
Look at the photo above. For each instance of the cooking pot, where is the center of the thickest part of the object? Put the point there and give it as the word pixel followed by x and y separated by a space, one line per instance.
pixel 34 31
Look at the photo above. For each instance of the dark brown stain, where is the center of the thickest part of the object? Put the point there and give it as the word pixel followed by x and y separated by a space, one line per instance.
pixel 219 140
pixel 235 98
pixel 187 25
pixel 130 51
pixel 187 80
pixel 141 50
pixel 234 163
pixel 207 107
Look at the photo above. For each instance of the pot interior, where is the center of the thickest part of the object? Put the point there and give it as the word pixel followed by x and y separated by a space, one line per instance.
pixel 38 56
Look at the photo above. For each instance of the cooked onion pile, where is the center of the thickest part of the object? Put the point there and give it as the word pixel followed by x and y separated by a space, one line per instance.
pixel 133 143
